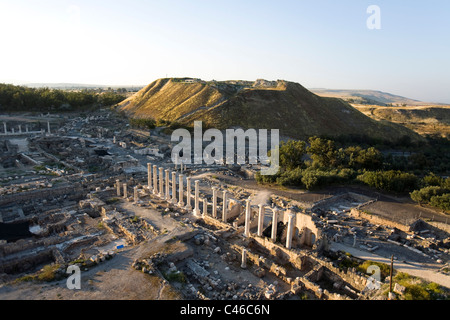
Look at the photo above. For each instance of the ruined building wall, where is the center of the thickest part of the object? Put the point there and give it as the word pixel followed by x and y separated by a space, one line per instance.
pixel 378 220
pixel 303 260
pixel 304 226
pixel 40 194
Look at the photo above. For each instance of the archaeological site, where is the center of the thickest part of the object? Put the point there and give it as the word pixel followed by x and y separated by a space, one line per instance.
pixel 93 192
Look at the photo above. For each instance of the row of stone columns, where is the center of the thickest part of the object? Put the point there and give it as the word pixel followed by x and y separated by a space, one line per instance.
pixel 261 214
pixel 165 194
pixel 158 189
pixel 5 129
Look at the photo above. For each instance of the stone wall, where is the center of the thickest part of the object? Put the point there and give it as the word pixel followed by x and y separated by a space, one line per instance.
pixel 71 191
pixel 327 202
pixel 375 219
pixel 303 260
pixel 18 265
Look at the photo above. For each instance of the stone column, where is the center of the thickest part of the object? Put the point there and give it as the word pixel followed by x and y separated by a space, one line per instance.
pixel 174 188
pixel 290 230
pixel 161 182
pixel 214 203
pixel 149 176
pixel 118 187
pixel 4 126
pixel 125 193
pixel 261 220
pixel 167 185
pixel 48 126
pixel 188 194
pixel 225 207
pixel 155 179
pixel 247 218
pixel 205 206
pixel 274 224
pixel 244 259
pixel 136 195
pixel 26 128
pixel 196 199
pixel 20 128
pixel 180 190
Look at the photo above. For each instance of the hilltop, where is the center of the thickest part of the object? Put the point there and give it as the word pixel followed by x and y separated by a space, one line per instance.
pixel 284 105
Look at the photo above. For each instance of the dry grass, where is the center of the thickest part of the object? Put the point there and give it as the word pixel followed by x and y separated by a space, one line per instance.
pixel 289 107
pixel 433 120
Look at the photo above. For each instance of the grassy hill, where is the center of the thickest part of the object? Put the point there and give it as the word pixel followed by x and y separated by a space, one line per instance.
pixel 425 120
pixel 287 106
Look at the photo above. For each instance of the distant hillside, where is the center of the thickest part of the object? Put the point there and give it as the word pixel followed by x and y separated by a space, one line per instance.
pixel 368 97
pixel 425 120
pixel 74 86
pixel 283 105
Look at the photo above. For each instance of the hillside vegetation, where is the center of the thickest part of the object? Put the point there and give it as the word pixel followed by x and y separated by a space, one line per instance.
pixel 319 163
pixel 25 99
pixel 287 106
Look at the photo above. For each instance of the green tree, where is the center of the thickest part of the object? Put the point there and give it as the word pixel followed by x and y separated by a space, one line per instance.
pixel 291 154
pixel 310 179
pixel 424 195
pixel 441 202
pixel 323 152
pixel 432 180
pixel 391 180
pixel 359 158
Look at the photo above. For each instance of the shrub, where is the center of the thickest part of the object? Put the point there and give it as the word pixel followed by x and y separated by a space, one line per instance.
pixel 262 179
pixel 432 180
pixel 441 202
pixel 175 277
pixel 48 273
pixel 291 177
pixel 291 154
pixel 385 269
pixel 424 195
pixel 416 289
pixel 311 179
pixel 142 123
pixel 391 180
pixel 416 292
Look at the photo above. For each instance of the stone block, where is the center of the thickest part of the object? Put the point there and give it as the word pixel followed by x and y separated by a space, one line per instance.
pixel 399 288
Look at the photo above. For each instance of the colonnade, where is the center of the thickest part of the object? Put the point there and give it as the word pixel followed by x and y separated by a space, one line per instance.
pixel 164 186
pixel 21 130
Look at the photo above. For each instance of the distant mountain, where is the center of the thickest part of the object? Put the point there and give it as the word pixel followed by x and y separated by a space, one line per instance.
pixel 78 86
pixel 62 85
pixel 284 105
pixel 369 97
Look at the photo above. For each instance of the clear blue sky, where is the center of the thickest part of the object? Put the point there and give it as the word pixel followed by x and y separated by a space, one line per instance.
pixel 320 43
